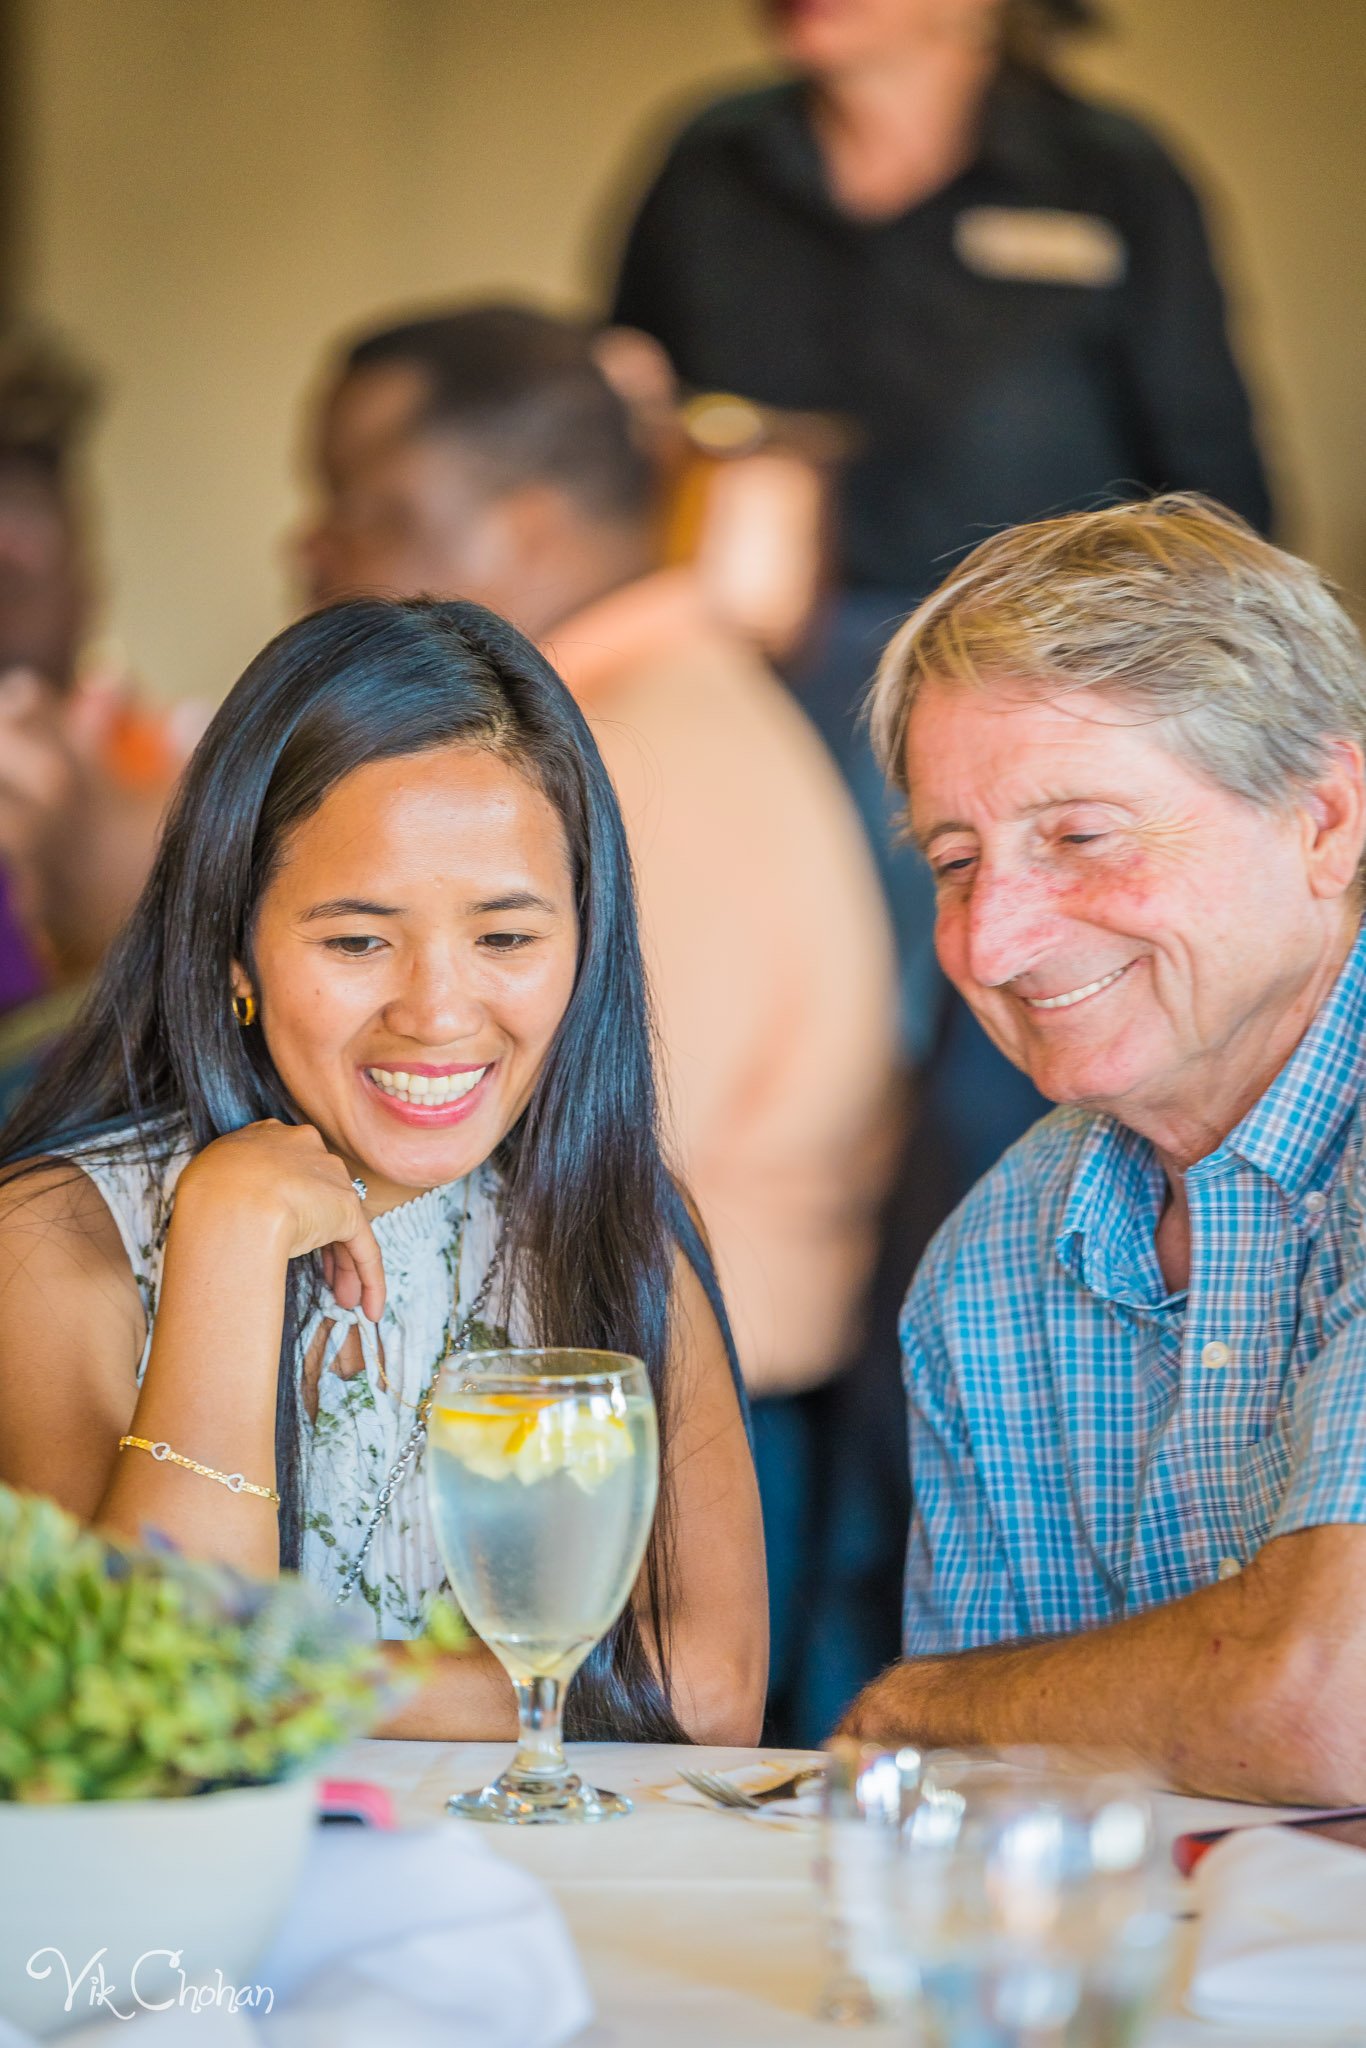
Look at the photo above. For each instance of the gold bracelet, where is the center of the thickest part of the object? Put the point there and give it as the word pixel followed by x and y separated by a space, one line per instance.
pixel 163 1454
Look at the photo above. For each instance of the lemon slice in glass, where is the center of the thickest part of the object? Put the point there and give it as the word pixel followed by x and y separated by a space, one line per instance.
pixel 532 1440
pixel 483 1436
pixel 586 1441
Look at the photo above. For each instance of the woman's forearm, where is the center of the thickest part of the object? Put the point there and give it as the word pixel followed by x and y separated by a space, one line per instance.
pixel 466 1697
pixel 719 1685
pixel 209 1392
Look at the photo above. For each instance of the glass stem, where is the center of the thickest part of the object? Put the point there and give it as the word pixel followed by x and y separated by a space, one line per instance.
pixel 540 1758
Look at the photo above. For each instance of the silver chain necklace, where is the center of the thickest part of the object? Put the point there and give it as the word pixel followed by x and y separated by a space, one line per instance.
pixel 417 1435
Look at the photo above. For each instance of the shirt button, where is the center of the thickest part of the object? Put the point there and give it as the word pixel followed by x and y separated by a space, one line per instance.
pixel 1229 1567
pixel 1215 1356
pixel 1315 1204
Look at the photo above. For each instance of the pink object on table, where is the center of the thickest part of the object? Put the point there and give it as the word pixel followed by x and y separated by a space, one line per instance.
pixel 354 1799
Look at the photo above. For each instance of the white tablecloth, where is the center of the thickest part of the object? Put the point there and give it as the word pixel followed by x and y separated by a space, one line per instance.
pixel 696 1927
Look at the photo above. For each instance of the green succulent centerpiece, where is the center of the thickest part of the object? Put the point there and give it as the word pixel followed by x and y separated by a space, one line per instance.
pixel 131 1673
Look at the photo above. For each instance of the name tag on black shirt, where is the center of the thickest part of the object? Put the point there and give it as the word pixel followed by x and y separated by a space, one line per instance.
pixel 1039 245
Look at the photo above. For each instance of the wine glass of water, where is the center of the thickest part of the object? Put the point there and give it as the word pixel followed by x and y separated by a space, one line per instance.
pixel 542 1472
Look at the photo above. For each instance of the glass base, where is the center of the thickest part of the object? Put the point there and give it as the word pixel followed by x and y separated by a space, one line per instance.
pixel 521 1802
pixel 846 2001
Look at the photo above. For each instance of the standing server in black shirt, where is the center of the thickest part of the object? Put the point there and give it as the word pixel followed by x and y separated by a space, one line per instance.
pixel 1009 294
pixel 1044 326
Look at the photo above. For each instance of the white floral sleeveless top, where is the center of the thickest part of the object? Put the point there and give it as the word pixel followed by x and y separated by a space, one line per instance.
pixel 436 1249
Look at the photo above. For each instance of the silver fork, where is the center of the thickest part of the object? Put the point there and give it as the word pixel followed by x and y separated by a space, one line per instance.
pixel 722 1793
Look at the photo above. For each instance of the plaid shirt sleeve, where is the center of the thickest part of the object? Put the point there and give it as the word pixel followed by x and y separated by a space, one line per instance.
pixel 954 1546
pixel 1327 1481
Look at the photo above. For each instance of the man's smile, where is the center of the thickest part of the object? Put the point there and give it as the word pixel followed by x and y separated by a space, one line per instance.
pixel 1071 996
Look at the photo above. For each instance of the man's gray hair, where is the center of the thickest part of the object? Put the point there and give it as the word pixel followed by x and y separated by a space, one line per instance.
pixel 1172 606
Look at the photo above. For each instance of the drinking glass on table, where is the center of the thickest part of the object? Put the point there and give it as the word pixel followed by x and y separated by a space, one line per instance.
pixel 1035 1908
pixel 542 1472
pixel 867 1797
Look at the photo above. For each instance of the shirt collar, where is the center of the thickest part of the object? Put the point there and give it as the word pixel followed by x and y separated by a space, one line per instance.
pixel 423 1220
pixel 1293 1132
pixel 1015 143
pixel 1107 1238
pixel 594 648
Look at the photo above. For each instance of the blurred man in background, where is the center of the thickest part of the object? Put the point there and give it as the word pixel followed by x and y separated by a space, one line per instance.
pixel 483 454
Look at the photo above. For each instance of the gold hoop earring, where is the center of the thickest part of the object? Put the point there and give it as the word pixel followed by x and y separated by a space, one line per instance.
pixel 244 1010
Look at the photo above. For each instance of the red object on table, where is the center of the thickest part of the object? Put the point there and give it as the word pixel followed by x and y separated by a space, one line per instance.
pixel 1188 1849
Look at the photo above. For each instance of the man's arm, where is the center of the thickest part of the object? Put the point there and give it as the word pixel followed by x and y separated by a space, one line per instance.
pixel 1254 1688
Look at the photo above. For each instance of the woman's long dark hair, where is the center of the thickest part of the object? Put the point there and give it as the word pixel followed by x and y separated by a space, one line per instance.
pixel 592 1215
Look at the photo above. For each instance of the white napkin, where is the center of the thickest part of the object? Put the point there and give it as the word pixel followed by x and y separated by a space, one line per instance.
pixel 419 1940
pixel 1282 1930
pixel 806 1805
pixel 181 2027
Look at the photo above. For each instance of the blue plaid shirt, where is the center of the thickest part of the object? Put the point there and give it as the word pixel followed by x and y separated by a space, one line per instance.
pixel 1085 1443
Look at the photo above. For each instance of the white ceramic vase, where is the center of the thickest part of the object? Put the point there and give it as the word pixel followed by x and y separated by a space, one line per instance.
pixel 120 1906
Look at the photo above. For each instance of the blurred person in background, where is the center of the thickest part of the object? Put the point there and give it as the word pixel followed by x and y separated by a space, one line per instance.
pixel 484 454
pixel 46 401
pixel 1008 294
pixel 84 774
pixel 1005 291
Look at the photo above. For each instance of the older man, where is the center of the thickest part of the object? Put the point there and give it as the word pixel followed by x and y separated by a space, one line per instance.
pixel 1132 743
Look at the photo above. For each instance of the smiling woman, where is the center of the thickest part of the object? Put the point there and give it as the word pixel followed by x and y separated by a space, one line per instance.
pixel 366 1079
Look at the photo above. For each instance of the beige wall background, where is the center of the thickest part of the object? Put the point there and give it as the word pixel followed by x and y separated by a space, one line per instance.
pixel 212 189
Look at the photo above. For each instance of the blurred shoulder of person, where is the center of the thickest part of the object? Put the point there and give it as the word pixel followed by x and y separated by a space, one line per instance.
pixel 745 492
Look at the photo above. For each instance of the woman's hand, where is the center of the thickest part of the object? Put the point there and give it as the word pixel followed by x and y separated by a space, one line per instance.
pixel 283 1175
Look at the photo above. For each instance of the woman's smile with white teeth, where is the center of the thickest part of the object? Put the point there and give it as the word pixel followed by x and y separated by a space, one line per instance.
pixel 1075 995
pixel 435 1089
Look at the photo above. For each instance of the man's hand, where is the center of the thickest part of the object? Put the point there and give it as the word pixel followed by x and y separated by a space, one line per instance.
pixel 1252 1688
pixel 884 1711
